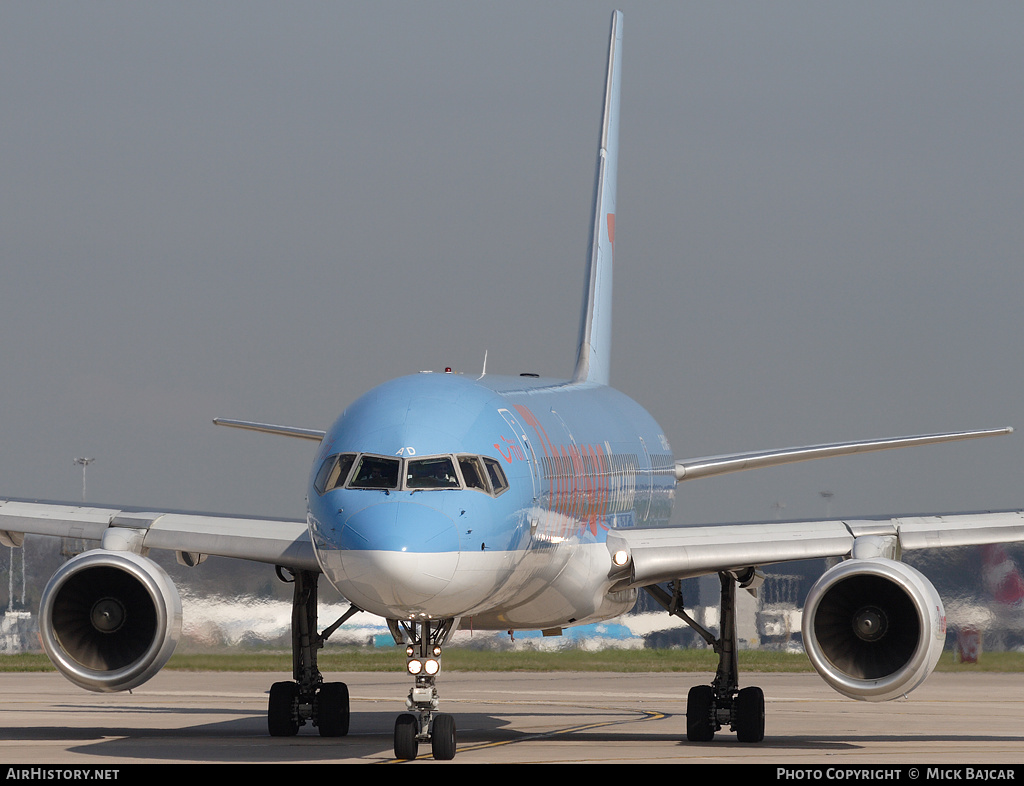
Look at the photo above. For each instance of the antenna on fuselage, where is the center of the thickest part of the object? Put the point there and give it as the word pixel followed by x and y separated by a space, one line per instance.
pixel 483 371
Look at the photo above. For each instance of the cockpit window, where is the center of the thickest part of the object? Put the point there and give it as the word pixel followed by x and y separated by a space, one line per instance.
pixel 376 472
pixel 386 473
pixel 496 476
pixel 333 472
pixel 473 473
pixel 437 472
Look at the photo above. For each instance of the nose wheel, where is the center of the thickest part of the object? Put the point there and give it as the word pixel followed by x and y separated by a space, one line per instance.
pixel 442 737
pixel 423 723
pixel 440 732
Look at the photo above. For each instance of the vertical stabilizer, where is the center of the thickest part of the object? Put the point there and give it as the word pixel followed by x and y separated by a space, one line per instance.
pixel 592 362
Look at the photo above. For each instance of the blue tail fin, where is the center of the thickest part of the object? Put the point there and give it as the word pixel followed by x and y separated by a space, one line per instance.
pixel 592 362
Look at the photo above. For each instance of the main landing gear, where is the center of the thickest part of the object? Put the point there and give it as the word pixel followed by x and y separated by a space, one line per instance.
pixel 423 661
pixel 710 707
pixel 308 697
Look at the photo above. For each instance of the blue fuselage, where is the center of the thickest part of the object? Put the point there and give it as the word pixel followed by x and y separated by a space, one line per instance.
pixel 436 495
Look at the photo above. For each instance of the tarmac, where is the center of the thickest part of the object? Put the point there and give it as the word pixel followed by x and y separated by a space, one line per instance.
pixel 958 720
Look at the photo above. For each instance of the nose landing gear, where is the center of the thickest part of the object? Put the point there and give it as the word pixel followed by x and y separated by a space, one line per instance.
pixel 423 661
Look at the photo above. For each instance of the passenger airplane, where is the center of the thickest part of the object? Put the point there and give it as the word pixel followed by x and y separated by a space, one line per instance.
pixel 507 503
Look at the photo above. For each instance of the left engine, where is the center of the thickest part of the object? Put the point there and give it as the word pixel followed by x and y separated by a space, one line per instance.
pixel 109 620
pixel 873 628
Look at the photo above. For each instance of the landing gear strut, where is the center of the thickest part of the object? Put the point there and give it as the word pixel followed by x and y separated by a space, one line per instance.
pixel 423 660
pixel 308 697
pixel 709 707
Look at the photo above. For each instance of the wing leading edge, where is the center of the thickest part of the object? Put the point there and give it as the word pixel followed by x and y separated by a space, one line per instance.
pixel 691 469
pixel 269 428
pixel 191 535
pixel 649 556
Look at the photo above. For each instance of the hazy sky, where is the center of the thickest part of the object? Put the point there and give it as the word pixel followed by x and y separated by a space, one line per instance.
pixel 261 210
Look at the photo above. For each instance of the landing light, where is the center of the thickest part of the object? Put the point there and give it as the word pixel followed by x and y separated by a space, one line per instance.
pixel 620 558
pixel 429 666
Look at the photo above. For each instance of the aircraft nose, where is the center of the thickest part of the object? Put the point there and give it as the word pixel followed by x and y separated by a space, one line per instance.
pixel 398 554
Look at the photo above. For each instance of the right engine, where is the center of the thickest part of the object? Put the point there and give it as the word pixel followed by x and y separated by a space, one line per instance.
pixel 109 619
pixel 873 628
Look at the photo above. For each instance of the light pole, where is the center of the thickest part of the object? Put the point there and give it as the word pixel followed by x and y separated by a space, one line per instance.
pixel 69 547
pixel 827 496
pixel 84 462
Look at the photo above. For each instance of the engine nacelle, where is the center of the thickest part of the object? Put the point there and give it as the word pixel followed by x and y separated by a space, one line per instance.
pixel 109 619
pixel 873 628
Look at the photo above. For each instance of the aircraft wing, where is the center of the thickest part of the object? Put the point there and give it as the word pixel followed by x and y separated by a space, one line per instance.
pixel 314 434
pixel 650 556
pixel 192 535
pixel 691 469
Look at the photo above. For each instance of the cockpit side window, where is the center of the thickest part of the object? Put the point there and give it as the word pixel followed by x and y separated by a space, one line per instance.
pixel 375 472
pixel 437 472
pixel 333 472
pixel 496 475
pixel 473 473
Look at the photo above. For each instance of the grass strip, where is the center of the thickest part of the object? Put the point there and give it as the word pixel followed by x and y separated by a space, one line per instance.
pixel 340 660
